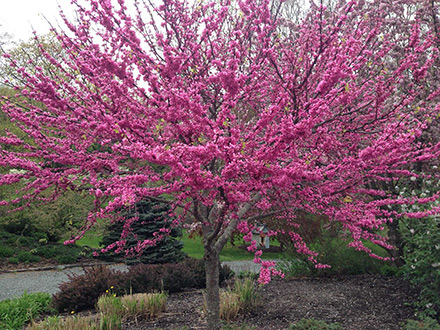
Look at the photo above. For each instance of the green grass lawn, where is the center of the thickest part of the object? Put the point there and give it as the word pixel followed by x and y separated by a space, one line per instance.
pixel 91 239
pixel 193 247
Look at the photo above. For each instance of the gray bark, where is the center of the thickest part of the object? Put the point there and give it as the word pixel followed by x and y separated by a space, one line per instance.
pixel 212 297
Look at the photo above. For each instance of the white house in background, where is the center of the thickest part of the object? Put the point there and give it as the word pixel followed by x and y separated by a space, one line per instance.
pixel 259 234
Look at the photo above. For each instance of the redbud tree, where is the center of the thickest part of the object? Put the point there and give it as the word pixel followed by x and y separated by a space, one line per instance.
pixel 230 113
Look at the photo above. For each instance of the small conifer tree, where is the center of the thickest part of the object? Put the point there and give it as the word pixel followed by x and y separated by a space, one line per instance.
pixel 149 218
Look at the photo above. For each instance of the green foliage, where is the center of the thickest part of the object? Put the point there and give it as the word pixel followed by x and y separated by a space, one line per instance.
pixel 389 270
pixel 134 306
pixel 193 247
pixel 67 323
pixel 28 55
pixel 27 241
pixel 14 313
pixel 332 251
pixel 6 251
pixel 66 259
pixel 48 251
pixel 110 322
pixel 151 218
pixel 422 261
pixel 27 249
pixel 240 300
pixel 247 274
pixel 25 256
pixel 426 323
pixel 14 260
pixel 112 311
pixel 110 304
pixel 312 324
pixel 63 254
pixel 248 296
pixel 48 222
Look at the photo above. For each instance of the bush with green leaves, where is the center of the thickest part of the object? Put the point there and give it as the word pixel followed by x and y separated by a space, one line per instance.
pixel 26 257
pixel 6 251
pixel 15 313
pixel 28 249
pixel 150 218
pixel 50 222
pixel 312 324
pixel 13 260
pixel 426 323
pixel 63 254
pixel 421 239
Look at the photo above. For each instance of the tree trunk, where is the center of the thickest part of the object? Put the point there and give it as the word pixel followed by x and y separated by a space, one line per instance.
pixel 212 263
pixel 395 239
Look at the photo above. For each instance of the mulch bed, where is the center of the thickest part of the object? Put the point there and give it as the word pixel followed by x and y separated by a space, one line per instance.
pixel 364 302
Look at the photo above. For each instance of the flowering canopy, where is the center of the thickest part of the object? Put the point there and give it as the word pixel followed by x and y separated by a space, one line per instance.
pixel 228 112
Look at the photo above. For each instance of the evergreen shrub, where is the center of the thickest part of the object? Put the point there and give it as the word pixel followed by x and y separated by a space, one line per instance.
pixel 150 218
pixel 25 256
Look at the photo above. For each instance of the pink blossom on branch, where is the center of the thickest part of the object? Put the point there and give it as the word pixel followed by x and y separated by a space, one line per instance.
pixel 230 113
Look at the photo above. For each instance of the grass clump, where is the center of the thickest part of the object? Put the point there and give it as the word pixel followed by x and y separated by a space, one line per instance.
pixel 110 305
pixel 67 323
pixel 312 324
pixel 110 322
pixel 237 301
pixel 112 311
pixel 247 294
pixel 15 313
pixel 145 306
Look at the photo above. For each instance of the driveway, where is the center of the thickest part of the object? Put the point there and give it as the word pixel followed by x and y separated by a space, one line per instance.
pixel 14 284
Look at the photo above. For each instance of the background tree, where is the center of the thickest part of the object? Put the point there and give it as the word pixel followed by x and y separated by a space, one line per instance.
pixel 50 218
pixel 147 220
pixel 30 55
pixel 5 38
pixel 244 120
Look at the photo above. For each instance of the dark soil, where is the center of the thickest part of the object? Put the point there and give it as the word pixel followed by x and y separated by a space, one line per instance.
pixel 364 302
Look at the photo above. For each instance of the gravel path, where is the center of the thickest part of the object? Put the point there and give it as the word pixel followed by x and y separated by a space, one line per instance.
pixel 14 284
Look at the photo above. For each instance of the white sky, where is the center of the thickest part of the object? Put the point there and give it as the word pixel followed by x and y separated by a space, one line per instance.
pixel 17 16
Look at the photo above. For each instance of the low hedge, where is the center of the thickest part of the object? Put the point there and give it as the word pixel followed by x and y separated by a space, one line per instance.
pixel 81 292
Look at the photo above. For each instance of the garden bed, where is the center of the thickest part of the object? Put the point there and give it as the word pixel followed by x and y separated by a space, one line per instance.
pixel 356 302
